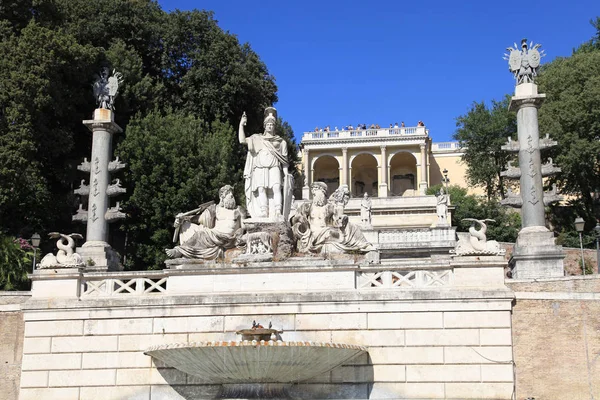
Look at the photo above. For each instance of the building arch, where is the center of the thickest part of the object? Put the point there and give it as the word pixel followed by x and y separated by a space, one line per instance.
pixel 326 168
pixel 365 167
pixel 403 173
pixel 363 152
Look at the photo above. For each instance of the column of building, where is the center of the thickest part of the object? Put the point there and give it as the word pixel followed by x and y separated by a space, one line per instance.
pixel 383 174
pixel 307 175
pixel 423 181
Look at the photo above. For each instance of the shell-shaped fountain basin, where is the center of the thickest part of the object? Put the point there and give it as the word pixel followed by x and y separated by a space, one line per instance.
pixel 255 361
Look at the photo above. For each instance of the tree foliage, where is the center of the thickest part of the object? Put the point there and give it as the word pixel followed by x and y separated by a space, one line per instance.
pixel 482 132
pixel 15 262
pixel 178 162
pixel 571 115
pixel 179 68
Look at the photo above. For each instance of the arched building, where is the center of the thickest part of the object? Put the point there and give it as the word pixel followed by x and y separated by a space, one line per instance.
pixel 387 162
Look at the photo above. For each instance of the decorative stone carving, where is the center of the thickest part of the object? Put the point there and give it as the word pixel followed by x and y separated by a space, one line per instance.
pixel 81 215
pixel 441 208
pixel 116 165
pixel 115 188
pixel 320 226
pixel 549 168
pixel 524 63
pixel 66 256
pixel 511 172
pixel 552 196
pixel 365 210
pixel 85 166
pixel 475 242
pixel 106 88
pixel 83 189
pixel 114 213
pixel 511 146
pixel 259 243
pixel 265 163
pixel 205 233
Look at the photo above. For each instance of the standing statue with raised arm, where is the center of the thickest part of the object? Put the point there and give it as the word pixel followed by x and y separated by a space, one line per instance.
pixel 265 164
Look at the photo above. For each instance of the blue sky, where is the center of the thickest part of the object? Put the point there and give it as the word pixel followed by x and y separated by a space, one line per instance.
pixel 348 62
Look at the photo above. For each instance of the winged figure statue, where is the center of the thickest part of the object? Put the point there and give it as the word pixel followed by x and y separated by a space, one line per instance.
pixel 106 88
pixel 524 63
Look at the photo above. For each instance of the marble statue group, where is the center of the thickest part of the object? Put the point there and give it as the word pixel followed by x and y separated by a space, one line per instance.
pixel 317 227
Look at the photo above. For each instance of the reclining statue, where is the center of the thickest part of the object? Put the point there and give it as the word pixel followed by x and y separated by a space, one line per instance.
pixel 321 226
pixel 205 233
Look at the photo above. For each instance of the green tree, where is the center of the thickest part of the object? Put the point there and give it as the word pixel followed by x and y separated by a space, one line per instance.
pixel 177 162
pixel 15 262
pixel 174 65
pixel 482 132
pixel 571 115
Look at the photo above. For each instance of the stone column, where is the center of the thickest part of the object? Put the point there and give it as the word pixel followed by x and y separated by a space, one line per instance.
pixel 96 248
pixel 535 253
pixel 383 178
pixel 307 175
pixel 103 127
pixel 345 180
pixel 532 189
pixel 423 182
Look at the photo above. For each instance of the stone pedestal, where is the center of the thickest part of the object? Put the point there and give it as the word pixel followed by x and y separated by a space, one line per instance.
pixel 535 255
pixel 55 282
pixel 98 256
pixel 281 235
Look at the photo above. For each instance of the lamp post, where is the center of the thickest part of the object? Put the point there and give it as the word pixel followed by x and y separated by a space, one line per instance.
pixel 597 230
pixel 35 242
pixel 579 224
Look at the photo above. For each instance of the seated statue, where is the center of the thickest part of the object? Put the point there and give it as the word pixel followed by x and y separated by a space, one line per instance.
pixel 205 233
pixel 321 226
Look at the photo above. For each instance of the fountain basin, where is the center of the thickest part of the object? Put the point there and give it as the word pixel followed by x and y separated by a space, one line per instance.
pixel 244 362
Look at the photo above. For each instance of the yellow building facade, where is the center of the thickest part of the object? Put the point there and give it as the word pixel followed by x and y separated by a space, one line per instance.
pixel 389 162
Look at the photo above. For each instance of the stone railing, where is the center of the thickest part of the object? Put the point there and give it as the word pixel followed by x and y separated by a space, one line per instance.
pixel 403 279
pixel 416 236
pixel 445 146
pixel 359 133
pixel 112 284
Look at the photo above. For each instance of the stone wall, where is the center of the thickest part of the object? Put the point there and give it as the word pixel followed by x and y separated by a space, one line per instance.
pixel 431 343
pixel 556 338
pixel 11 342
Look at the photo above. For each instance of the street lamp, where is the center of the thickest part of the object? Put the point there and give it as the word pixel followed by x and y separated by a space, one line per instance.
pixel 597 230
pixel 35 242
pixel 579 224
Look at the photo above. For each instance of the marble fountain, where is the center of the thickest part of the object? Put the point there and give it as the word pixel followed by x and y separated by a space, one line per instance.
pixel 260 365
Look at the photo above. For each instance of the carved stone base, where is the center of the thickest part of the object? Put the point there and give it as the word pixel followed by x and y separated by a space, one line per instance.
pixel 99 257
pixel 281 236
pixel 536 255
pixel 251 258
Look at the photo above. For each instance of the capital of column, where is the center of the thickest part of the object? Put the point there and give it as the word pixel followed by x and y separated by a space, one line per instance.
pixel 517 103
pixel 108 126
pixel 344 150
pixel 383 147
pixel 422 146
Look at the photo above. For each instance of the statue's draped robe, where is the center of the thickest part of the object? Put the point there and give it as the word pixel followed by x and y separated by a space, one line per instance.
pixel 365 210
pixel 266 155
pixel 199 238
pixel 337 236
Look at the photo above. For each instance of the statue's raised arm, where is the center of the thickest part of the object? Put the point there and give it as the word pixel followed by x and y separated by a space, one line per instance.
pixel 241 133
